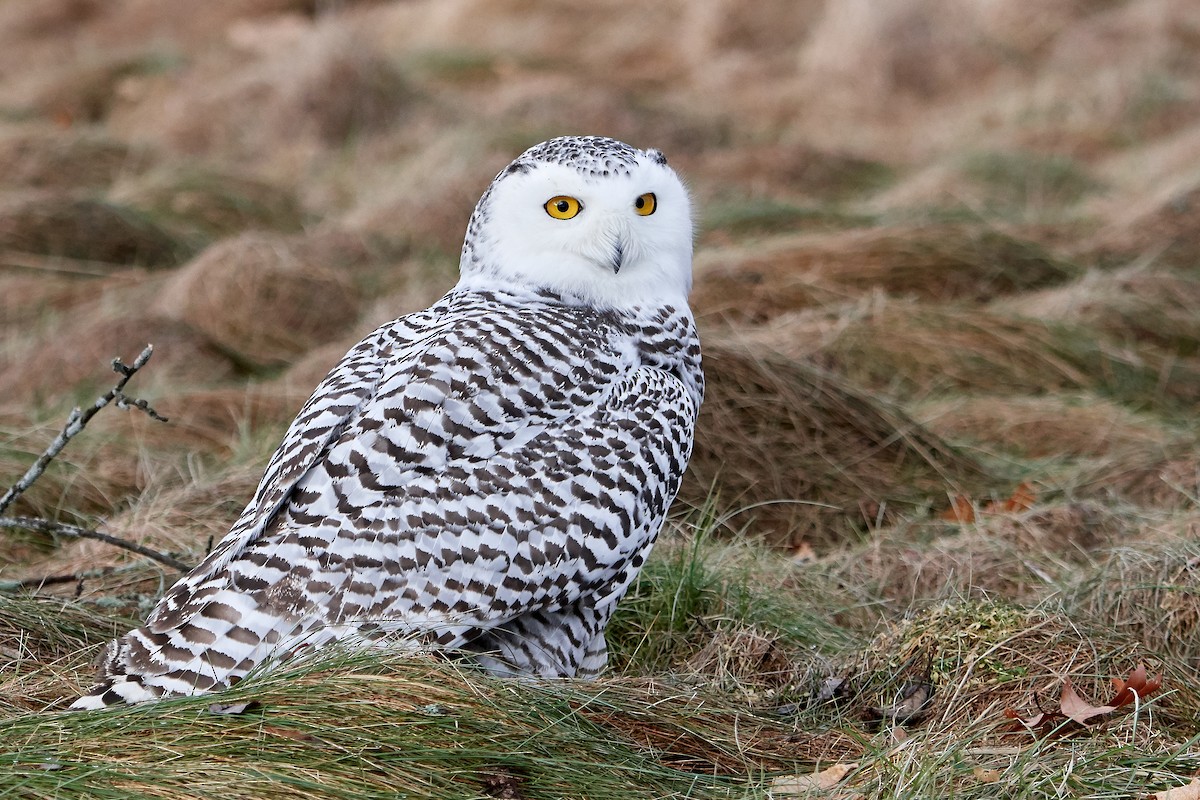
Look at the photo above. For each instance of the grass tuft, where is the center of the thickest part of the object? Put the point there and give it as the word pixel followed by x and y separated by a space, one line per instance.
pixel 852 458
pixel 425 727
pixel 104 234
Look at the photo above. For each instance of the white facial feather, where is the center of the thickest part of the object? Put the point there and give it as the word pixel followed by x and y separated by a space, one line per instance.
pixel 513 240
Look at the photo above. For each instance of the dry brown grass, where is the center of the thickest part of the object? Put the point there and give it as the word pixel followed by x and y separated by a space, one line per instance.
pixel 1049 426
pixel 209 204
pixel 1163 219
pixel 1151 591
pixel 215 420
pixel 184 519
pixel 426 196
pixel 983 658
pixel 79 227
pixel 85 91
pixel 106 474
pixel 788 169
pixel 28 295
pixel 1065 77
pixel 46 156
pixel 1168 481
pixel 1019 557
pixel 795 454
pixel 1131 305
pixel 923 349
pixel 260 300
pixel 75 354
pixel 934 262
pixel 305 89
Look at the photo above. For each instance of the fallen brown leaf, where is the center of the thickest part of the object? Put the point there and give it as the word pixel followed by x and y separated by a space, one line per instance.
pixel 1136 684
pixel 910 706
pixel 961 510
pixel 1029 722
pixel 803 554
pixel 1022 499
pixel 287 733
pixel 1189 792
pixel 986 775
pixel 1074 707
pixel 826 779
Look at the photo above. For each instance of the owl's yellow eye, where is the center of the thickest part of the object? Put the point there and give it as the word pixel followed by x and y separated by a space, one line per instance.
pixel 646 204
pixel 563 207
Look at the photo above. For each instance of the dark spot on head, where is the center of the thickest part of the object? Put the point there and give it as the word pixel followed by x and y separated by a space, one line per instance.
pixel 589 154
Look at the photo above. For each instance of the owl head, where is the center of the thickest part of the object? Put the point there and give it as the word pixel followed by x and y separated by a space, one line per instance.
pixel 589 218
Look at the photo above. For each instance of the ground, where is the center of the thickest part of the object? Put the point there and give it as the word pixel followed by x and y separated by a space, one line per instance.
pixel 947 279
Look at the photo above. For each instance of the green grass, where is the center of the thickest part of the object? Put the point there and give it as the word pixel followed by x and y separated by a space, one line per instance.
pixel 358 727
pixel 366 725
pixel 668 723
pixel 1028 181
pixel 699 594
pixel 744 216
pixel 457 65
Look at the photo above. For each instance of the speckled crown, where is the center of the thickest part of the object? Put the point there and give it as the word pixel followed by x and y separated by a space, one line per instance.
pixel 597 156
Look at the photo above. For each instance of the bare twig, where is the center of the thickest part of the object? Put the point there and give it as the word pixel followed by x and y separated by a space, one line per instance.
pixel 62 529
pixel 38 583
pixel 75 423
pixel 79 418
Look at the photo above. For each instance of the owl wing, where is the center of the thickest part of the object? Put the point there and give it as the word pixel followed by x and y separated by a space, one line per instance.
pixel 322 419
pixel 473 503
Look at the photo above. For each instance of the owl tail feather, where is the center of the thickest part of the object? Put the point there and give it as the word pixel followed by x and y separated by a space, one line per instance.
pixel 115 691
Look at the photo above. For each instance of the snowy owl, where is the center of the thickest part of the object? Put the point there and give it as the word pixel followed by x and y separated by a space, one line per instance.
pixel 485 477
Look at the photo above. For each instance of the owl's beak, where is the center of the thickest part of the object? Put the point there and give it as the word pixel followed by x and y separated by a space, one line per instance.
pixel 618 257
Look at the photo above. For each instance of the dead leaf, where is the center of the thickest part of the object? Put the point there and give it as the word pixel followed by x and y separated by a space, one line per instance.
pixel 504 784
pixel 910 705
pixel 1034 722
pixel 1136 684
pixel 1189 792
pixel 1023 498
pixel 288 733
pixel 803 554
pixel 961 510
pixel 986 775
pixel 1074 707
pixel 1070 706
pixel 818 781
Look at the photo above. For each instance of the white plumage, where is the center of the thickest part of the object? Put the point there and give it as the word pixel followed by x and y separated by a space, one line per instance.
pixel 485 477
